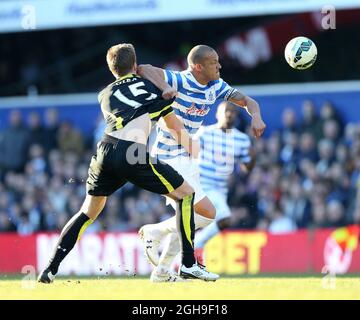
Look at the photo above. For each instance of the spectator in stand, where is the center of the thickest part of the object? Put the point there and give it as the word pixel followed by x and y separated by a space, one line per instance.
pixel 280 223
pixel 352 133
pixel 328 112
pixel 289 154
pixel 13 144
pixel 51 129
pixel 340 184
pixel 37 158
pixel 307 148
pixel 70 139
pixel 296 207
pixel 335 214
pixel 6 224
pixel 33 214
pixel 331 130
pixel 289 125
pixel 111 222
pixel 57 195
pixel 309 175
pixel 310 121
pixel 326 155
pixel 318 208
pixel 273 148
pixel 343 158
pixel 36 130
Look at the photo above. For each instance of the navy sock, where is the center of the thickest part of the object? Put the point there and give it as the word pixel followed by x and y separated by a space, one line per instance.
pixel 186 228
pixel 69 235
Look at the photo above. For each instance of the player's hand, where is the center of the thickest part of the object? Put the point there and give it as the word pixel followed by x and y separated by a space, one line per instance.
pixel 169 93
pixel 257 125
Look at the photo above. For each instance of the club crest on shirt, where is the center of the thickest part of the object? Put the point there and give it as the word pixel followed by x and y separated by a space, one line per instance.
pixel 210 95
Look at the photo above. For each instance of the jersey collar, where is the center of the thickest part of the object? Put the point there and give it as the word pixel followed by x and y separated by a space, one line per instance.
pixel 129 75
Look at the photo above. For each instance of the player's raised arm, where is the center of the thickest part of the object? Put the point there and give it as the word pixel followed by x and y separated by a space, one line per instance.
pixel 181 135
pixel 156 76
pixel 252 107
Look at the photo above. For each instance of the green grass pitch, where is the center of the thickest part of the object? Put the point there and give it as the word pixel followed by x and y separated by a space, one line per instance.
pixel 280 287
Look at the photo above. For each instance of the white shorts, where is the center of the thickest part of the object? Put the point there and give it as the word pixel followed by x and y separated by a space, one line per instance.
pixel 219 200
pixel 189 170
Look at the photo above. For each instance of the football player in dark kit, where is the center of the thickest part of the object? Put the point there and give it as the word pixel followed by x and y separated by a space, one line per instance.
pixel 129 104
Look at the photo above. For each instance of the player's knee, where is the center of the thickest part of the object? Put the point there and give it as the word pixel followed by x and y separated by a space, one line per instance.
pixel 205 208
pixel 93 205
pixel 211 213
pixel 223 223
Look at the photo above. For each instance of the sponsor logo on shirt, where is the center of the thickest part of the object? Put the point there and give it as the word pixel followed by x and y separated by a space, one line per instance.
pixel 193 111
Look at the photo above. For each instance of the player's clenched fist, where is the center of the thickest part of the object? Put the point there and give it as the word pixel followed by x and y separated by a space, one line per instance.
pixel 257 125
pixel 169 93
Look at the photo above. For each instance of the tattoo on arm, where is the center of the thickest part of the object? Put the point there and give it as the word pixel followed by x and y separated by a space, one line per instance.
pixel 235 95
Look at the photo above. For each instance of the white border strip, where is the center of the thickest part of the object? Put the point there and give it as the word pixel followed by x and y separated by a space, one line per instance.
pixel 253 90
pixel 299 88
pixel 49 100
pixel 25 15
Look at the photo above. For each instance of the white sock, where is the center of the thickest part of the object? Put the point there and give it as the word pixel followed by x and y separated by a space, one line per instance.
pixel 165 227
pixel 206 234
pixel 170 251
pixel 169 225
pixel 201 221
pixel 172 246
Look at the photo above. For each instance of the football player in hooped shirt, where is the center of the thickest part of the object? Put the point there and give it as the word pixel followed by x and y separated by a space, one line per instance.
pixel 199 88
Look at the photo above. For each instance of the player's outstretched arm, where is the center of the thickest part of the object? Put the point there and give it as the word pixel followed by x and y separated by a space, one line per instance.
pixel 252 107
pixel 181 135
pixel 156 76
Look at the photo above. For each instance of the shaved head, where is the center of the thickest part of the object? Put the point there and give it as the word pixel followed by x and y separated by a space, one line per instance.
pixel 198 54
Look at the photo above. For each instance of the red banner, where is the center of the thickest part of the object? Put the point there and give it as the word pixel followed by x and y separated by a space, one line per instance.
pixel 16 252
pixel 232 253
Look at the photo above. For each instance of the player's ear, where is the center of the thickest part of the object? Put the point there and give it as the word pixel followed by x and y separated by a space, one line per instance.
pixel 198 67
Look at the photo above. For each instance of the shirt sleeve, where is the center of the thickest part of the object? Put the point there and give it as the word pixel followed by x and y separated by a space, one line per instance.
pixel 223 90
pixel 160 108
pixel 173 78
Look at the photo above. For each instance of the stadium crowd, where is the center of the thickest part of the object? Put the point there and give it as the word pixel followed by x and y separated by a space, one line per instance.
pixel 307 176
